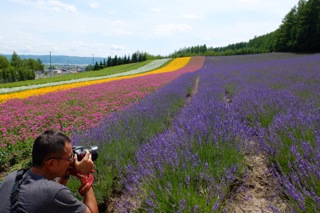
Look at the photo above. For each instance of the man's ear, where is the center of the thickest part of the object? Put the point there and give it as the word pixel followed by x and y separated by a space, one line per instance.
pixel 50 164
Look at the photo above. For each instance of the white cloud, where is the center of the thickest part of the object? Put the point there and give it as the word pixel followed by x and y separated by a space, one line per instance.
pixel 251 1
pixel 60 6
pixel 24 1
pixel 95 5
pixel 190 16
pixel 156 10
pixel 117 47
pixel 119 22
pixel 121 32
pixel 112 12
pixel 167 29
pixel 55 5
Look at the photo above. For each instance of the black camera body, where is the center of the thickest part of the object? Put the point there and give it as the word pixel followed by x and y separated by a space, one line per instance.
pixel 81 152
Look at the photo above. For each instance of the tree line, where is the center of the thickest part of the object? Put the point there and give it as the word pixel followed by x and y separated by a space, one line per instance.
pixel 116 60
pixel 299 32
pixel 300 29
pixel 17 69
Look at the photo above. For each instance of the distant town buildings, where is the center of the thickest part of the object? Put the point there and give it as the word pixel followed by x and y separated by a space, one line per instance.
pixel 59 69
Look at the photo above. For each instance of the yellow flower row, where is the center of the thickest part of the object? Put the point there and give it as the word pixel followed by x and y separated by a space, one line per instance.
pixel 172 66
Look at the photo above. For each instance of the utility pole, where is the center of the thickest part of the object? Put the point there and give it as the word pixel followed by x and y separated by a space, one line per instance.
pixel 50 66
pixel 92 59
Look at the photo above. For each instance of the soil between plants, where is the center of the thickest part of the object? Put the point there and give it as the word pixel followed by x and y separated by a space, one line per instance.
pixel 258 191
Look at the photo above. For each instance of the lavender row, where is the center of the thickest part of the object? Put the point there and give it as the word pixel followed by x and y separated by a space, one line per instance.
pixel 280 103
pixel 293 143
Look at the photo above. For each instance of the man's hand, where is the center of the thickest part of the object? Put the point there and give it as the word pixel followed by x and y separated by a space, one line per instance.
pixel 85 165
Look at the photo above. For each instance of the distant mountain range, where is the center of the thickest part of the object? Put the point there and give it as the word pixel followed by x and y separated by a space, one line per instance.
pixel 60 59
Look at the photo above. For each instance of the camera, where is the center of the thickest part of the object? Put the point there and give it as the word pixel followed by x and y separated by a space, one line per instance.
pixel 81 152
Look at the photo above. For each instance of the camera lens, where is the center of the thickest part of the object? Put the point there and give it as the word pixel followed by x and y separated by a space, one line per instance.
pixel 81 152
pixel 93 151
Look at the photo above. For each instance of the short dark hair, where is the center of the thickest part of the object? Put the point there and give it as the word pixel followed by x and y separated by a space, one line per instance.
pixel 47 144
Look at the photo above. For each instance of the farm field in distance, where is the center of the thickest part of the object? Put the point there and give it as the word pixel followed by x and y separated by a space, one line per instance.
pixel 179 141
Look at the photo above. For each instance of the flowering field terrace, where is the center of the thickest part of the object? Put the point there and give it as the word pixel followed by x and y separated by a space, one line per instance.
pixel 60 86
pixel 77 108
pixel 145 68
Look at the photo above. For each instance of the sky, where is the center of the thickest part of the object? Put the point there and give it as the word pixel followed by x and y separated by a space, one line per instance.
pixel 105 28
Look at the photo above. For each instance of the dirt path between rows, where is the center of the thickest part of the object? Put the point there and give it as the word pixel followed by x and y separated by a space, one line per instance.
pixel 258 191
pixel 194 91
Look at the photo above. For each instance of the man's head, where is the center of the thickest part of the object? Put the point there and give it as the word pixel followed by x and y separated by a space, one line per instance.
pixel 51 144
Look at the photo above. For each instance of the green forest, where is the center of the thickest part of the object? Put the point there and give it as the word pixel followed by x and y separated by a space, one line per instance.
pixel 18 69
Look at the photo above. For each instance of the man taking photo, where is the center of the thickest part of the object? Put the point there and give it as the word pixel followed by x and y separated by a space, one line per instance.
pixel 43 187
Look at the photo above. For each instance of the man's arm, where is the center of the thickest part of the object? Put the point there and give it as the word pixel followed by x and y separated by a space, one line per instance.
pixel 63 180
pixel 90 201
pixel 86 166
pixel 89 197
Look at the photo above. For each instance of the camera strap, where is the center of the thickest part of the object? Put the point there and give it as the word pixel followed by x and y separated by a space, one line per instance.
pixel 14 198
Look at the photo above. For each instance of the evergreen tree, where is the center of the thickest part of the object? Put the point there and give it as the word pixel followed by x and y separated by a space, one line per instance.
pixel 109 61
pixel 286 33
pixel 308 31
pixel 115 60
pixel 139 57
pixel 101 65
pixel 4 62
pixel 96 66
pixel 12 74
pixel 15 61
pixel 125 60
pixel 134 58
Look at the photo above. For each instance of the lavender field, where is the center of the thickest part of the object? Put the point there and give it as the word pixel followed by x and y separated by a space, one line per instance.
pixel 187 141
pixel 182 148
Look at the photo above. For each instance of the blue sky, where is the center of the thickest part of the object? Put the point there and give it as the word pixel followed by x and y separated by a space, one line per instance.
pixel 117 27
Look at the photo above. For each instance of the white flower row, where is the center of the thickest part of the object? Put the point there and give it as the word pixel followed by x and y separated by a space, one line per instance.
pixel 148 67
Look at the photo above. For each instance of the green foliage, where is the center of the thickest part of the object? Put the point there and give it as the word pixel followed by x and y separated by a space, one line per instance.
pixel 15 61
pixel 190 51
pixel 188 185
pixel 257 45
pixel 18 69
pixel 16 155
pixel 300 29
pixel 285 35
pixel 288 139
pixel 4 63
pixel 116 60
